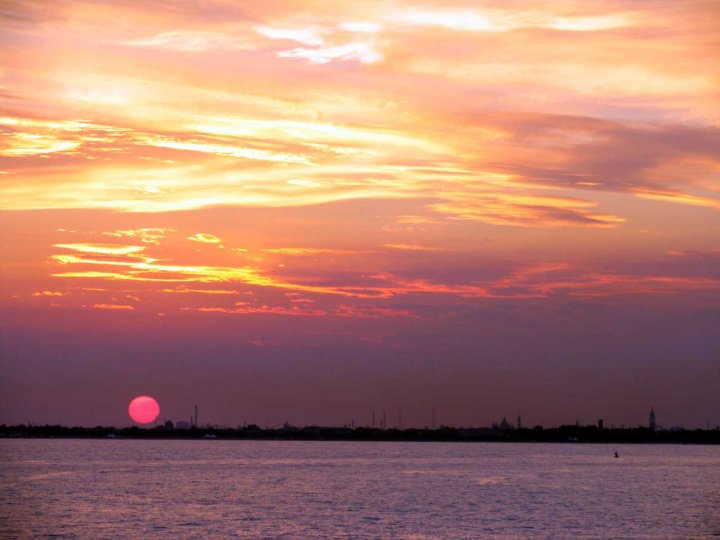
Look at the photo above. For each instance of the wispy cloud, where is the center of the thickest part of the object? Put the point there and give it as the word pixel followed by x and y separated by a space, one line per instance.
pixel 113 307
pixel 193 41
pixel 205 238
pixel 148 236
pixel 103 249
pixel 48 293
pixel 499 20
pixel 412 247
pixel 243 309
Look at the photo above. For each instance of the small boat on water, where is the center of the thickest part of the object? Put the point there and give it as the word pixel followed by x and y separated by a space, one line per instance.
pixel 209 436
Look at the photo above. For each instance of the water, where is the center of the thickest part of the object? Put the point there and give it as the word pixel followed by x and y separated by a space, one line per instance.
pixel 292 489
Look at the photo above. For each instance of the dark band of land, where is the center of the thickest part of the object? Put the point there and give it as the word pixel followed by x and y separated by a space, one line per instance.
pixel 569 433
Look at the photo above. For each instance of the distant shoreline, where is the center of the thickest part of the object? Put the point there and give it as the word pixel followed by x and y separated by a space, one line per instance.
pixel 561 434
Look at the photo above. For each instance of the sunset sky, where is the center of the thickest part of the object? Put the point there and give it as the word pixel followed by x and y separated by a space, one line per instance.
pixel 305 211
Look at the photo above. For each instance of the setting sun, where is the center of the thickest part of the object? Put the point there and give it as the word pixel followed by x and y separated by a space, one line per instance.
pixel 144 409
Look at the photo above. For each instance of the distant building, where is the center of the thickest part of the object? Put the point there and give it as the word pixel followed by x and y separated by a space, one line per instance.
pixel 181 424
pixel 601 424
pixel 651 420
pixel 505 424
pixel 169 424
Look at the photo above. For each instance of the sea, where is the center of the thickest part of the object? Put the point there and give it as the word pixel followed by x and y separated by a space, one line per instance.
pixel 146 489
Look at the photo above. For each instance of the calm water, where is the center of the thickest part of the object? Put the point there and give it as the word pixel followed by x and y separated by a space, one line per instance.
pixel 251 489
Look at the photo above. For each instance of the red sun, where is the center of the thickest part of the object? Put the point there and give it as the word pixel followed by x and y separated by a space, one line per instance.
pixel 143 409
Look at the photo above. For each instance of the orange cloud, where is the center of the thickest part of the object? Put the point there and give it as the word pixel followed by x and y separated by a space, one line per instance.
pixel 184 290
pixel 309 251
pixel 205 238
pixel 114 307
pixel 524 210
pixel 327 138
pixel 103 249
pixel 360 312
pixel 149 236
pixel 261 310
pixel 411 247
pixel 683 198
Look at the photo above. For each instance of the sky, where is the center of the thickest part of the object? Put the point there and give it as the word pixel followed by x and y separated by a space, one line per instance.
pixel 307 211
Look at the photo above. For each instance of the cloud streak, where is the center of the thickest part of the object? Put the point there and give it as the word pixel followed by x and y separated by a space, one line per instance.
pixel 266 287
pixel 192 134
